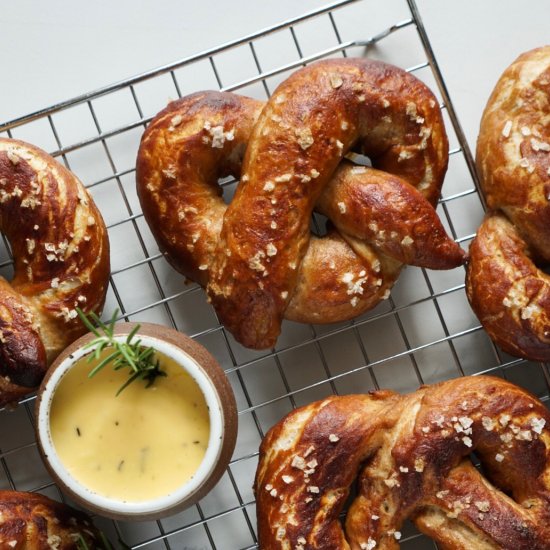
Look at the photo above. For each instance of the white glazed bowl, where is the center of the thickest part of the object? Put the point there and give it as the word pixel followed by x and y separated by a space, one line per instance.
pixel 219 398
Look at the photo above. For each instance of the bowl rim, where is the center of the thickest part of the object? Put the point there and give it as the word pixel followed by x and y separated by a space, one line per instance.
pixel 148 507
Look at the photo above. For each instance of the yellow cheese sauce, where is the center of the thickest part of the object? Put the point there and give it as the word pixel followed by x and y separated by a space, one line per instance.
pixel 141 445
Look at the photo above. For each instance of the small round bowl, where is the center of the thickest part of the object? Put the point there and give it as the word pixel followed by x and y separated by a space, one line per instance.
pixel 219 397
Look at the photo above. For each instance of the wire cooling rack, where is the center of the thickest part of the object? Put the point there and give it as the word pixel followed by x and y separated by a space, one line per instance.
pixel 425 332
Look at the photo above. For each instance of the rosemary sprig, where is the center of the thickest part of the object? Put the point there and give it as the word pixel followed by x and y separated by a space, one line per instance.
pixel 81 543
pixel 128 354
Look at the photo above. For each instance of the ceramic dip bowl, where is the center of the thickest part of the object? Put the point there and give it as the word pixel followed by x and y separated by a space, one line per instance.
pixel 148 452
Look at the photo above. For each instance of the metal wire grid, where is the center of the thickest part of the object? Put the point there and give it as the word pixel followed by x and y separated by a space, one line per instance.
pixel 425 332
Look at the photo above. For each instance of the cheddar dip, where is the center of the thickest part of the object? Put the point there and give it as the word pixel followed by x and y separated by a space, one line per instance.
pixel 134 447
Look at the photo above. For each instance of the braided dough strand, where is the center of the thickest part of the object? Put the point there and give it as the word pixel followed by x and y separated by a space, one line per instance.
pixel 61 261
pixel 506 289
pixel 380 220
pixel 411 455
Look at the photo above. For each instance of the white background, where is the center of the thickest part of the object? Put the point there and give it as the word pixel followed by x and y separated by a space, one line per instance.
pixel 55 50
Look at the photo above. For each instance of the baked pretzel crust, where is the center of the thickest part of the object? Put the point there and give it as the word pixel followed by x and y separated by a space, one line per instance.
pixel 410 456
pixel 31 521
pixel 506 288
pixel 256 257
pixel 61 260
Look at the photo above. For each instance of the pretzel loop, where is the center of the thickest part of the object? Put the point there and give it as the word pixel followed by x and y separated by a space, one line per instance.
pixel 256 257
pixel 506 288
pixel 412 456
pixel 61 261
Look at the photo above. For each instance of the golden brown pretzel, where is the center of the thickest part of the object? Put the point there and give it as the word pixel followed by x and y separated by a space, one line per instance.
pixel 411 454
pixel 508 292
pixel 61 260
pixel 31 521
pixel 260 264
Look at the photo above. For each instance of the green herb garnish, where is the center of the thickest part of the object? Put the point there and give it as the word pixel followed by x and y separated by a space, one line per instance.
pixel 127 353
pixel 81 543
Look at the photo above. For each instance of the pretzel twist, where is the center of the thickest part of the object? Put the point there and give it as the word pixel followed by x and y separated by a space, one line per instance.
pixel 61 260
pixel 410 454
pixel 31 521
pixel 506 288
pixel 256 257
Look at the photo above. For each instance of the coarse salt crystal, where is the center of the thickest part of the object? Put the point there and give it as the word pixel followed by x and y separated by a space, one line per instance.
pixel 482 505
pixel 504 420
pixel 309 450
pixel 12 156
pixel 336 81
pixel 305 138
pixel 369 545
pixel 176 120
pixel 537 424
pixel 271 249
pixel 537 145
pixel 488 423
pixel 347 277
pixel 507 129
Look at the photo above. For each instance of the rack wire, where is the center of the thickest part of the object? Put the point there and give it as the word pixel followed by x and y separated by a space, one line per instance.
pixel 424 333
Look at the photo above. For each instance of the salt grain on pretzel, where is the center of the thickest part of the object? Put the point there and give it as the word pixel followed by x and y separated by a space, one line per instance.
pixel 404 473
pixel 61 261
pixel 256 257
pixel 506 287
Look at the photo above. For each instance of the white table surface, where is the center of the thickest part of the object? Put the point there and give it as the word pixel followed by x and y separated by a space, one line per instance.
pixel 72 46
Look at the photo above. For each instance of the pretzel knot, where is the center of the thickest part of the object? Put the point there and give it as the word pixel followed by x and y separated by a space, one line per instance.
pixel 506 288
pixel 411 454
pixel 256 257
pixel 61 261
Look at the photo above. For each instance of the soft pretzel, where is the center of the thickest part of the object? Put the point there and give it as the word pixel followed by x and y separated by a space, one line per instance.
pixel 61 261
pixel 410 455
pixel 506 288
pixel 31 521
pixel 256 257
